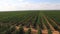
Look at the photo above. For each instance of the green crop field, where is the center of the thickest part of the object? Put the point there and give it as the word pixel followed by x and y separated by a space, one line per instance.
pixel 30 22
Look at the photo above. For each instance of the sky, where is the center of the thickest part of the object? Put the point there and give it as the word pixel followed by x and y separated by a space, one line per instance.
pixel 12 5
pixel 49 4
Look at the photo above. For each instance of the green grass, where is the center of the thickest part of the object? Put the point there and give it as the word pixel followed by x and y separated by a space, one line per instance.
pixel 8 19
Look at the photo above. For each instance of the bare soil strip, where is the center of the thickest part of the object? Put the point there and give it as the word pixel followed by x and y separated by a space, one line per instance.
pixel 55 32
pixel 33 31
pixel 49 24
pixel 44 32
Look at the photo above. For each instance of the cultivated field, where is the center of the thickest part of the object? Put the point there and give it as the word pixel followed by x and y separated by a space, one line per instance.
pixel 30 22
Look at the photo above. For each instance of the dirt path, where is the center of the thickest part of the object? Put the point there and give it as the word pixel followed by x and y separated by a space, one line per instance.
pixel 49 23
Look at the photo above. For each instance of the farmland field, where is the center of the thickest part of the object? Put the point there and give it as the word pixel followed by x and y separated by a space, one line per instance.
pixel 30 22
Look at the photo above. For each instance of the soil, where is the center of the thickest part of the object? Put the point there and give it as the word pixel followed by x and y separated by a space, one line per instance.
pixel 34 31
